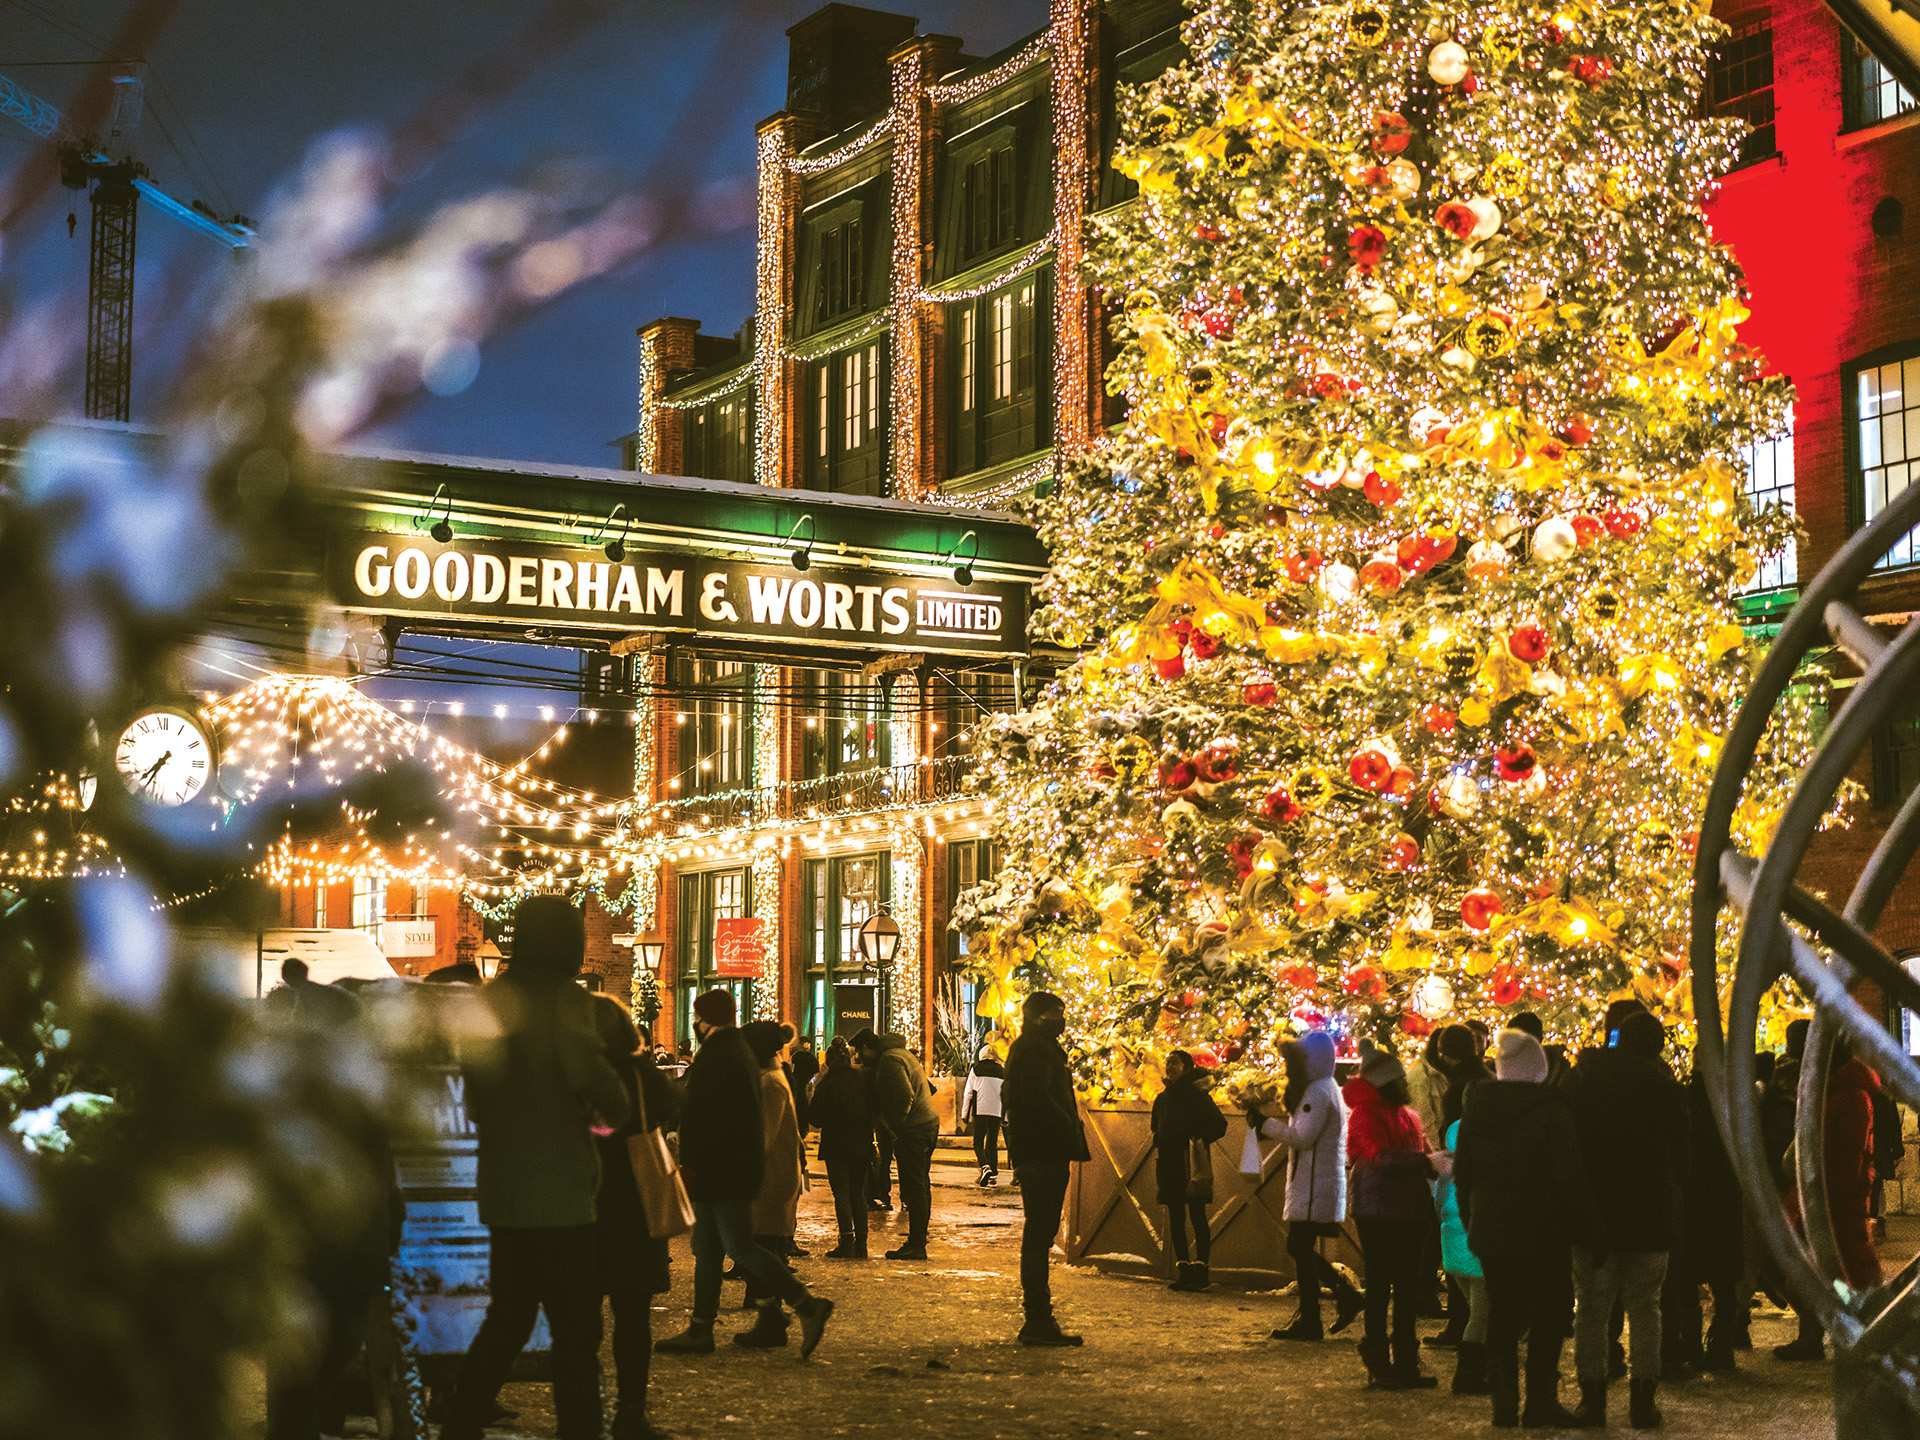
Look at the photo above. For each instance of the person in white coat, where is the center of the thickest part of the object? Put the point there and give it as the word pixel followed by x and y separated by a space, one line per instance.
pixel 1314 1130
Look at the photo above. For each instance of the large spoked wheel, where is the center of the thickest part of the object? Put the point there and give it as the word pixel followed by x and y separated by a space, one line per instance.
pixel 1784 930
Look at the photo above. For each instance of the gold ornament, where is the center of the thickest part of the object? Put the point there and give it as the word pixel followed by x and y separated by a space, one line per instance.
pixel 1505 176
pixel 1367 24
pixel 1620 189
pixel 1489 334
pixel 1160 126
pixel 1601 605
pixel 1311 787
pixel 1501 43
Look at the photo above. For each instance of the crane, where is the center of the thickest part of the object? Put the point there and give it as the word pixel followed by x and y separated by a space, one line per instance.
pixel 119 183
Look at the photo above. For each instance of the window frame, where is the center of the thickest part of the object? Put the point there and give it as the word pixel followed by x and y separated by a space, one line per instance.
pixel 1006 411
pixel 1781 572
pixel 823 917
pixel 718 437
pixel 834 463
pixel 368 906
pixel 1902 353
pixel 831 698
pixel 1742 104
pixel 694 936
pixel 1855 57
pixel 709 716
pixel 980 859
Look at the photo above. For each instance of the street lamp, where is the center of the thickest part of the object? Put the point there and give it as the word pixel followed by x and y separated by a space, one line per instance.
pixel 648 954
pixel 880 939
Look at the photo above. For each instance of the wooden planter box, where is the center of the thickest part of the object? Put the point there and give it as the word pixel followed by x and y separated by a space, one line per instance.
pixel 1115 1223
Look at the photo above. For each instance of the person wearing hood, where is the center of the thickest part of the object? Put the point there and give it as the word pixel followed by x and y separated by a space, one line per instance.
pixel 1630 1117
pixel 903 1110
pixel 1464 1275
pixel 1313 1127
pixel 1523 1194
pixel 1045 1140
pixel 1711 1252
pixel 842 1111
pixel 1185 1123
pixel 1460 1058
pixel 1391 1206
pixel 980 1108
pixel 776 1204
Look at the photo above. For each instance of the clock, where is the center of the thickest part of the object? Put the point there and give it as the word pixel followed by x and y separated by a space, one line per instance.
pixel 164 756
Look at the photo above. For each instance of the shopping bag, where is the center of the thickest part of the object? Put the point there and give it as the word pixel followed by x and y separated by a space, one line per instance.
pixel 1251 1164
pixel 656 1174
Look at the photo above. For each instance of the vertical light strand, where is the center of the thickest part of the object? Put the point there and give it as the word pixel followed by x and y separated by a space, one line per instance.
pixel 907 211
pixel 908 860
pixel 646 441
pixel 772 259
pixel 646 769
pixel 767 866
pixel 1071 26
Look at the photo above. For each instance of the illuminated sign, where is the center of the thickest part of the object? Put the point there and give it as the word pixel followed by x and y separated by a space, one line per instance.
pixel 559 585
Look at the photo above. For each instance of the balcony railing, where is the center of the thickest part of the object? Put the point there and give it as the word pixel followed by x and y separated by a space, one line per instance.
pixel 852 792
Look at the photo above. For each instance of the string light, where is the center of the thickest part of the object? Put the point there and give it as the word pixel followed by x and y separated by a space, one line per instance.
pixel 841 154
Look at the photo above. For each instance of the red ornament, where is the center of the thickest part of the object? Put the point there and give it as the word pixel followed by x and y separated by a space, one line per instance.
pixel 1423 550
pixel 1577 431
pixel 1381 575
pixel 1515 763
pixel 1217 427
pixel 1400 783
pixel 1593 71
pixel 1279 807
pixel 1391 132
pixel 1470 83
pixel 1178 775
pixel 1190 999
pixel 1302 568
pixel 1622 523
pixel 1366 245
pixel 1181 629
pixel 1102 770
pixel 1205 646
pixel 1478 907
pixel 1218 323
pixel 1303 977
pixel 1439 719
pixel 1363 981
pixel 1240 851
pixel 1403 852
pixel 1415 1024
pixel 1371 769
pixel 1208 231
pixel 1381 492
pixel 1529 643
pixel 1260 693
pixel 1504 987
pixel 1457 219
pixel 1172 668
pixel 1206 1057
pixel 1216 531
pixel 1586 529
pixel 1216 765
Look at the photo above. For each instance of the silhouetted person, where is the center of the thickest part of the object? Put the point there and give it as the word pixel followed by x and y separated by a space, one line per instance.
pixel 903 1112
pixel 1185 1123
pixel 843 1113
pixel 1044 1140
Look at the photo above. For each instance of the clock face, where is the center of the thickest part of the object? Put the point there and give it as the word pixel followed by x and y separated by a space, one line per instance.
pixel 164 756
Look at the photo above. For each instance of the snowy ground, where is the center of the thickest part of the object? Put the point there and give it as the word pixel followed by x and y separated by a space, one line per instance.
pixel 927 1349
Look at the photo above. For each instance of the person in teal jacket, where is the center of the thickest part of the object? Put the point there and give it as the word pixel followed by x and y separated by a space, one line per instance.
pixel 1463 1268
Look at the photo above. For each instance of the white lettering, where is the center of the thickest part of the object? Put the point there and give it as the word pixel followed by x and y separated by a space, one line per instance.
pixel 806 604
pixel 868 594
pixel 668 588
pixel 713 599
pixel 410 574
pixel 521 570
pixel 450 576
pixel 626 591
pixel 893 605
pixel 839 606
pixel 593 584
pixel 767 598
pixel 489 579
pixel 556 585
pixel 371 573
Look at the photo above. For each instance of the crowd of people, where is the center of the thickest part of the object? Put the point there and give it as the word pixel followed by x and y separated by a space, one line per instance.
pixel 1527 1199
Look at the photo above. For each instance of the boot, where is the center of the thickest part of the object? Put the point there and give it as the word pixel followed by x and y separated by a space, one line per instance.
pixel 1593 1404
pixel 1470 1369
pixel 633 1424
pixel 769 1330
pixel 845 1249
pixel 1348 1302
pixel 860 1247
pixel 1379 1365
pixel 696 1339
pixel 814 1313
pixel 1202 1276
pixel 1503 1384
pixel 1719 1359
pixel 1304 1326
pixel 1045 1331
pixel 1182 1276
pixel 1641 1411
pixel 1544 1410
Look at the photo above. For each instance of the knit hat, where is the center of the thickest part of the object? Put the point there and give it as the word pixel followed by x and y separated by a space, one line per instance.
pixel 715 1007
pixel 1381 1069
pixel 1518 1056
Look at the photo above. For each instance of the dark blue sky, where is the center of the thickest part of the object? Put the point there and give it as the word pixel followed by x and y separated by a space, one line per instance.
pixel 245 86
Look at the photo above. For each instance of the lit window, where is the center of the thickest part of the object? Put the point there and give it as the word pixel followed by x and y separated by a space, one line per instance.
pixel 1769 484
pixel 823 411
pixel 1886 417
pixel 320 907
pixel 855 414
pixel 1872 92
pixel 369 903
pixel 1002 346
pixel 1741 85
pixel 967 360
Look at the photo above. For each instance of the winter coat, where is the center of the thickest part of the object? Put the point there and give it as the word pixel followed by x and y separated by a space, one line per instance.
pixel 1852 1089
pixel 1630 1117
pixel 1182 1113
pixel 1518 1174
pixel 801 1072
pixel 1456 1254
pixel 981 1099
pixel 842 1111
pixel 1388 1153
pixel 627 1257
pixel 722 1145
pixel 1713 1231
pixel 778 1200
pixel 1462 1076
pixel 1779 1105
pixel 1043 1118
pixel 533 1089
pixel 902 1099
pixel 1427 1093
pixel 1315 1134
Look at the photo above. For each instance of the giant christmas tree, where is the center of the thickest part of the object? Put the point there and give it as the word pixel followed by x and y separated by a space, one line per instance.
pixel 1404 595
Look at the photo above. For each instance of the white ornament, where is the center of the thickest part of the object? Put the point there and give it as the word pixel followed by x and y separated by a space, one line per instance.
pixel 1380 308
pixel 1459 797
pixel 1506 525
pixel 1433 997
pixel 1486 217
pixel 1455 358
pixel 1176 812
pixel 1447 63
pixel 1403 179
pixel 1424 421
pixel 1534 785
pixel 1486 558
pixel 1338 582
pixel 1554 540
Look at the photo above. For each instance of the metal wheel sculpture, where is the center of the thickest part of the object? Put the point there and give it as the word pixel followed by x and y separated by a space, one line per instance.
pixel 1784 930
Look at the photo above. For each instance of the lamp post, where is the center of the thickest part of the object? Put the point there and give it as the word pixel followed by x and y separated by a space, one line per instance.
pixel 879 940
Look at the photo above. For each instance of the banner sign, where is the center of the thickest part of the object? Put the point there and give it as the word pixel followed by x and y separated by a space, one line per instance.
pixel 408 939
pixel 868 609
pixel 853 1009
pixel 739 948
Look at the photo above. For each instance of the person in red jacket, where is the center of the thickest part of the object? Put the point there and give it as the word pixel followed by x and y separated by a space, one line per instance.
pixel 1391 1204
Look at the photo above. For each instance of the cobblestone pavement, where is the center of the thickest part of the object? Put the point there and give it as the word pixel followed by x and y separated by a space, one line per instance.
pixel 927 1349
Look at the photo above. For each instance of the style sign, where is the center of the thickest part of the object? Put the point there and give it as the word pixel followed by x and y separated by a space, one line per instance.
pixel 659 591
pixel 739 948
pixel 408 939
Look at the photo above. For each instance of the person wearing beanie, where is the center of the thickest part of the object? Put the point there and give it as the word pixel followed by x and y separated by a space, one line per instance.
pixel 1630 1117
pixel 1314 1130
pixel 1391 1205
pixel 1044 1141
pixel 1184 1124
pixel 1523 1194
pixel 776 1203
pixel 534 1086
pixel 903 1112
pixel 723 1158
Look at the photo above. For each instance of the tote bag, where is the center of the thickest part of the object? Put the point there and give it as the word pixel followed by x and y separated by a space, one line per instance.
pixel 656 1174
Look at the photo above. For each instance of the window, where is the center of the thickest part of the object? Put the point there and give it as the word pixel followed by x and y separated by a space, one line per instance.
pixel 706 899
pixel 968 863
pixel 987 212
pixel 369 904
pixel 840 895
pixel 1000 346
pixel 319 907
pixel 1886 442
pixel 846 727
pixel 715 726
pixel 1896 758
pixel 839 282
pixel 1872 93
pixel 849 448
pixel 967 699
pixel 1741 85
pixel 1769 465
pixel 720 438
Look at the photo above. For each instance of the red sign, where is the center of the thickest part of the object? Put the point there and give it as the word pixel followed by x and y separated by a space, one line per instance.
pixel 739 948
